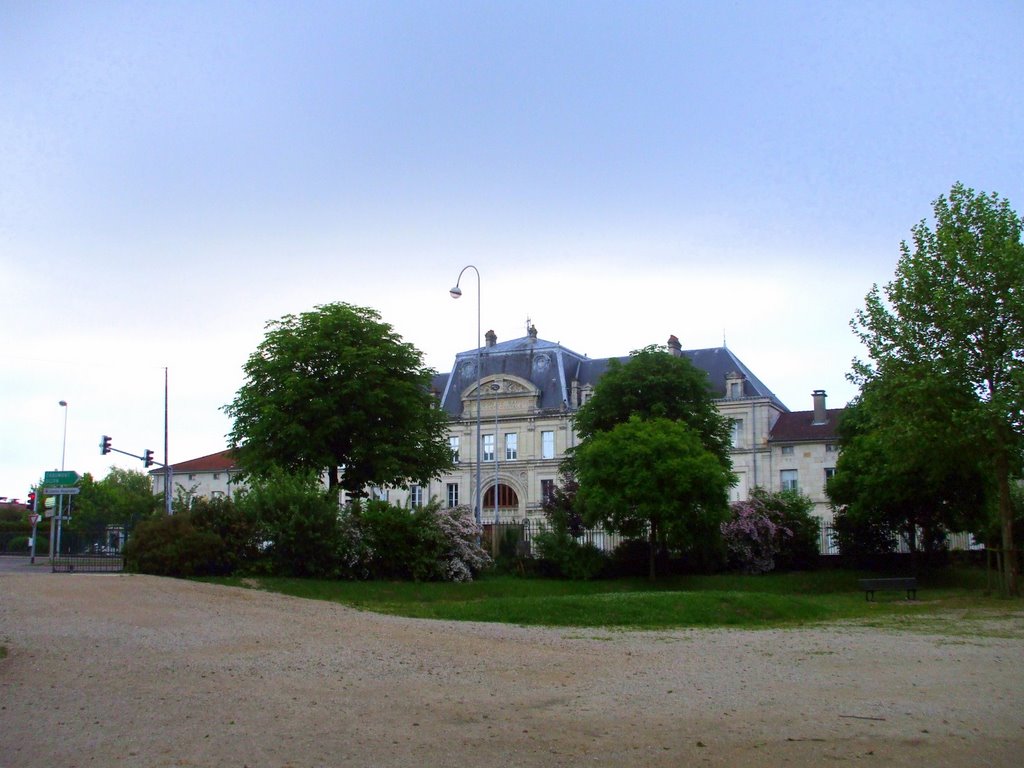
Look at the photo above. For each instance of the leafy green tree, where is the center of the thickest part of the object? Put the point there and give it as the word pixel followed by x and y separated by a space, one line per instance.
pixel 123 497
pixel 956 307
pixel 654 474
pixel 656 384
pixel 908 463
pixel 338 388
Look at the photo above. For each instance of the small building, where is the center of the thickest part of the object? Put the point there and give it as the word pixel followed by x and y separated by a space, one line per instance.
pixel 206 477
pixel 804 450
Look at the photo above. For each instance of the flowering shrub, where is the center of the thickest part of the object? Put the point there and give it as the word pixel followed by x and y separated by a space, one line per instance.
pixel 424 544
pixel 463 557
pixel 752 537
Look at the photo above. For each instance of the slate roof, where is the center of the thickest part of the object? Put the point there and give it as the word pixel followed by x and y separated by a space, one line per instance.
pixel 552 367
pixel 799 426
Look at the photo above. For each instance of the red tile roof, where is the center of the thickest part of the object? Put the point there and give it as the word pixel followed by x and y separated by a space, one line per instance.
pixel 799 426
pixel 222 461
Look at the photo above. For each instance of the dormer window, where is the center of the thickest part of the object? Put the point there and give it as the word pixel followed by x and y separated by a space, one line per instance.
pixel 734 385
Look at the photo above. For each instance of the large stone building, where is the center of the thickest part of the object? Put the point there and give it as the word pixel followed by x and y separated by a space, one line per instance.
pixel 528 390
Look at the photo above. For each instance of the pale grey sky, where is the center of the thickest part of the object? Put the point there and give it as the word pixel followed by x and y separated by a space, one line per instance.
pixel 174 175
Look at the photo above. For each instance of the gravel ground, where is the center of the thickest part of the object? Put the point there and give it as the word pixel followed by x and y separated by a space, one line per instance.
pixel 110 670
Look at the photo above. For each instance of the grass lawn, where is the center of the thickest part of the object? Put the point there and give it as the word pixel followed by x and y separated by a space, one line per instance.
pixel 952 600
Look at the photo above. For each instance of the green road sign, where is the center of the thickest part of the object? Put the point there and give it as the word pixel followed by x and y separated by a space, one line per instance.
pixel 60 477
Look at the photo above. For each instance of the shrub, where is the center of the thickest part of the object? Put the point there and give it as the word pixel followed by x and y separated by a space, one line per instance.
pixel 860 538
pixel 771 530
pixel 424 544
pixel 296 523
pixel 173 546
pixel 562 556
pixel 237 530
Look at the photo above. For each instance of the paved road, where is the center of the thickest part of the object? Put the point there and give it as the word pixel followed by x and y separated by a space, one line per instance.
pixel 21 564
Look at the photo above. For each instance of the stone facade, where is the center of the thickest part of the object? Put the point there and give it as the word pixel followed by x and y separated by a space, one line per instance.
pixel 529 389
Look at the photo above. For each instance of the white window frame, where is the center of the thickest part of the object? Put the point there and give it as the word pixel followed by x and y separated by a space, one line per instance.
pixel 488 448
pixel 737 433
pixel 511 446
pixel 547 444
pixel 788 450
pixel 789 480
pixel 453 495
pixel 547 489
pixel 454 444
pixel 415 496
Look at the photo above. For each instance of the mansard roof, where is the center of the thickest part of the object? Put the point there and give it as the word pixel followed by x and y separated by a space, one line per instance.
pixel 552 368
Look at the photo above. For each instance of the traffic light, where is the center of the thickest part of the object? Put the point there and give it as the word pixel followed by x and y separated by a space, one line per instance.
pixel 104 444
pixel 147 457
pixel 31 503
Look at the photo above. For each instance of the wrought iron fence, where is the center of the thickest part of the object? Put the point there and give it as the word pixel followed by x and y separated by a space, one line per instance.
pixel 959 541
pixel 526 529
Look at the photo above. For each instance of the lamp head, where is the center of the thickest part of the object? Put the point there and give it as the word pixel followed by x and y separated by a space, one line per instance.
pixel 455 292
pixel 63 403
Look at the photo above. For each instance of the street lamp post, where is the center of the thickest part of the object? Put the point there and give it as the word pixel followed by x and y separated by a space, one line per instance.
pixel 456 292
pixel 63 452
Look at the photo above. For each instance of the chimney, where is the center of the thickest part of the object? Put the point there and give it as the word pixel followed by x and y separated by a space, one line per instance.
pixel 820 414
pixel 674 346
pixel 491 338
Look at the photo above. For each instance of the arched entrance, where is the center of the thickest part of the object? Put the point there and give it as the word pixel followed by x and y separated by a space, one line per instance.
pixel 508 500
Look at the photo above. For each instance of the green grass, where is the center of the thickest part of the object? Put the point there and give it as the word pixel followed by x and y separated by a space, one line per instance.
pixel 950 601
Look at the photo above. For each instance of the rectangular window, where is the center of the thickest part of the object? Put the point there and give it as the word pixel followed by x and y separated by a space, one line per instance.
pixel 453 494
pixel 547 445
pixel 735 390
pixel 831 448
pixel 415 496
pixel 453 443
pixel 830 472
pixel 737 433
pixel 511 446
pixel 789 480
pixel 547 489
pixel 787 450
pixel 488 448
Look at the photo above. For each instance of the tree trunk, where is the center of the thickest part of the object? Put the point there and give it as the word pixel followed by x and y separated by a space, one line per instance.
pixel 1010 564
pixel 652 552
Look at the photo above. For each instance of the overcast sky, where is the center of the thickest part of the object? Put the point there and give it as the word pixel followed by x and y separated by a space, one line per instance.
pixel 174 175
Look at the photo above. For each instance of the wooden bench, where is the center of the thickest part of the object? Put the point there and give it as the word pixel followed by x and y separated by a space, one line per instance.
pixel 907 583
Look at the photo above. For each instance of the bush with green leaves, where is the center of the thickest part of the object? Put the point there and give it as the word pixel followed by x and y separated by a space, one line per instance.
pixel 563 556
pixel 173 546
pixel 427 543
pixel 234 525
pixel 771 530
pixel 297 524
pixel 861 537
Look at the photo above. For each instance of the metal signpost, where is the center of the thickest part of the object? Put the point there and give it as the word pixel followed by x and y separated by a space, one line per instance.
pixel 59 484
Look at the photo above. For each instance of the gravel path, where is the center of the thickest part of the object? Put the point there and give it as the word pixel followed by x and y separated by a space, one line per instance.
pixel 110 670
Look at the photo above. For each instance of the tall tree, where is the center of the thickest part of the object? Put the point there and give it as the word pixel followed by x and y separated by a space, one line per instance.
pixel 908 461
pixel 654 474
pixel 338 388
pixel 956 307
pixel 654 383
